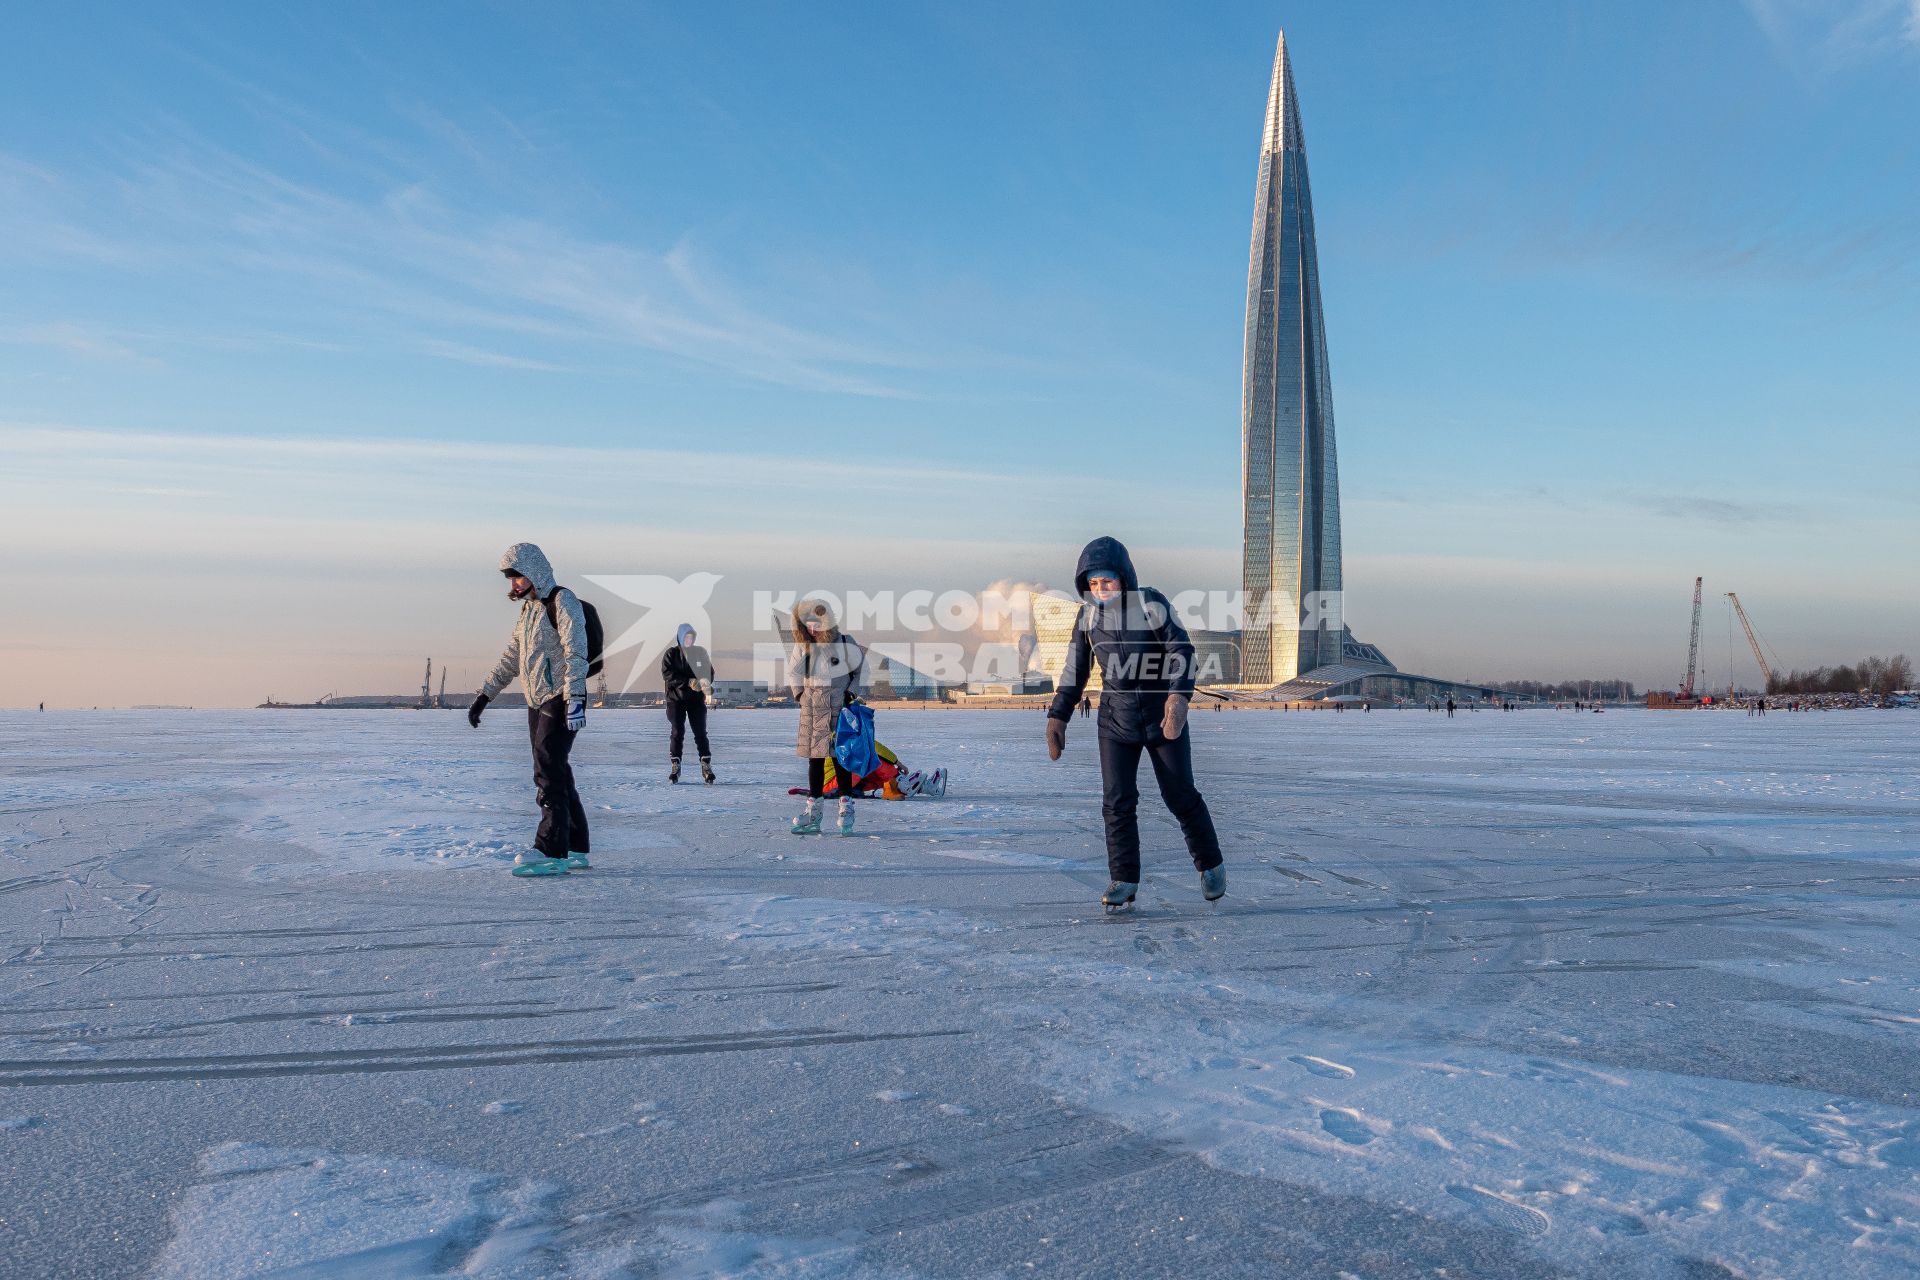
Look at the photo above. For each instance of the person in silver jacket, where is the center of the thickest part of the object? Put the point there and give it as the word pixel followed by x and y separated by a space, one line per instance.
pixel 547 653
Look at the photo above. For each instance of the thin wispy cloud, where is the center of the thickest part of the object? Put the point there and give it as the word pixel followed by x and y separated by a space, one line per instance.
pixel 1816 38
pixel 1541 503
pixel 1701 227
pixel 258 497
pixel 246 458
pixel 1707 509
pixel 413 257
pixel 78 340
pixel 464 354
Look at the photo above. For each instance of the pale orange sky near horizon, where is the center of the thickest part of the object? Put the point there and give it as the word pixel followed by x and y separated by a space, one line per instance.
pixel 210 572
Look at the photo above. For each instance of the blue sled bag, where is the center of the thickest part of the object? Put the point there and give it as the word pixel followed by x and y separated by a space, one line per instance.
pixel 853 750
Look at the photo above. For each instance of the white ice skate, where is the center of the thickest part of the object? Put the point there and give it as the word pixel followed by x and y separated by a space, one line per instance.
pixel 931 783
pixel 808 823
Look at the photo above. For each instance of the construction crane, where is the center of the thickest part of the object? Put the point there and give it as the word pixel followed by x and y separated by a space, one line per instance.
pixel 426 687
pixel 441 701
pixel 1766 668
pixel 1693 644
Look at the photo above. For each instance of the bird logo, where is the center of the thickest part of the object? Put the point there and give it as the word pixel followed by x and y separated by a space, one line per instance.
pixel 666 603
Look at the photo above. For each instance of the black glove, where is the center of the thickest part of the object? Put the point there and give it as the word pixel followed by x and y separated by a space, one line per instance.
pixel 473 712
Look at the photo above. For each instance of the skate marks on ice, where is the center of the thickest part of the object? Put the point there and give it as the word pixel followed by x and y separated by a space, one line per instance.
pixel 265 1211
pixel 1437 994
pixel 27 1073
pixel 1599 1166
pixel 1630 1170
pixel 88 1038
pixel 880 1190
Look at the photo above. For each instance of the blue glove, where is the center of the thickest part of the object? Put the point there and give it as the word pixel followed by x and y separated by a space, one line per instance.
pixel 576 714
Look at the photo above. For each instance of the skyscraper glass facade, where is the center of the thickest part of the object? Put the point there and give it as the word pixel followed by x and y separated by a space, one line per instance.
pixel 1290 483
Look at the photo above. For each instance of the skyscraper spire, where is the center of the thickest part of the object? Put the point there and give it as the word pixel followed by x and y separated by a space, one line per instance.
pixel 1283 110
pixel 1290 483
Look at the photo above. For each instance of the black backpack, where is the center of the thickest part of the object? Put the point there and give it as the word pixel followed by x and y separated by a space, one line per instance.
pixel 596 634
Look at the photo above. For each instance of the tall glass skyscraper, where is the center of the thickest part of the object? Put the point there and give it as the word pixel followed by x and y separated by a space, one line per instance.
pixel 1290 483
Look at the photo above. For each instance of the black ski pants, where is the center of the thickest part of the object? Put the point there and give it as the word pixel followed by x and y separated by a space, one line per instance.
pixel 680 714
pixel 563 819
pixel 1173 770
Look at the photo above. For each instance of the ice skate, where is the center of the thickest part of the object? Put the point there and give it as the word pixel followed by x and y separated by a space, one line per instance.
pixel 673 774
pixel 846 815
pixel 934 785
pixel 1119 897
pixel 532 862
pixel 808 823
pixel 1213 883
pixel 706 770
pixel 578 862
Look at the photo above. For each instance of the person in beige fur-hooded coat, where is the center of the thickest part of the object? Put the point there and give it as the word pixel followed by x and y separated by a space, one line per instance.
pixel 824 669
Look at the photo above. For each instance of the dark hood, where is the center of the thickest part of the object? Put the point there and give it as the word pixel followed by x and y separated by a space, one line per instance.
pixel 1105 553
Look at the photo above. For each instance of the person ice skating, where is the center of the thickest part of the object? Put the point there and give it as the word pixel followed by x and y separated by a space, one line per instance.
pixel 823 674
pixel 1146 670
pixel 687 674
pixel 1449 706
pixel 548 654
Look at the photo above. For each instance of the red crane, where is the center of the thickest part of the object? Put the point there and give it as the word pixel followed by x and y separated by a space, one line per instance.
pixel 1693 644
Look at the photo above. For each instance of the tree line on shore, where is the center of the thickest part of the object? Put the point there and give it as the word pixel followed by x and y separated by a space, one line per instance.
pixel 1879 676
pixel 1615 690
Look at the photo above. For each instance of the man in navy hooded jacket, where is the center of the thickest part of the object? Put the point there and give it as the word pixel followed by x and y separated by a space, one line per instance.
pixel 1146 675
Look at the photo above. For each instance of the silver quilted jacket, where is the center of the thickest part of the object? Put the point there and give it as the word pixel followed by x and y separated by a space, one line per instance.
pixel 550 661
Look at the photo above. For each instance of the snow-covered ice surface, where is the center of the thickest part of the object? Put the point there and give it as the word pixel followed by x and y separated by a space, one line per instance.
pixel 1535 994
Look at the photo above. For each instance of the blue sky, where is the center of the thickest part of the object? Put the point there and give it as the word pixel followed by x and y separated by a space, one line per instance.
pixel 1617 294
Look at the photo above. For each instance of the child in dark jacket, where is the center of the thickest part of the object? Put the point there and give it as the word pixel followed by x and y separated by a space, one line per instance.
pixel 1146 674
pixel 686 673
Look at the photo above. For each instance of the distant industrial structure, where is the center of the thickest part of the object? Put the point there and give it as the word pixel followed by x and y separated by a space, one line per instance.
pixel 428 702
pixel 1683 698
pixel 1686 697
pixel 1766 668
